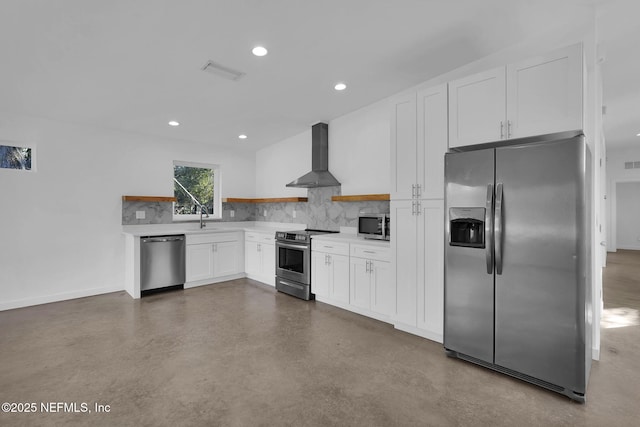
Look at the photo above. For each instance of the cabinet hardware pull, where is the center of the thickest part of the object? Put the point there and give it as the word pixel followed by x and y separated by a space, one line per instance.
pixel 501 129
pixel 508 128
pixel 418 190
pixel 413 191
pixel 418 208
pixel 369 252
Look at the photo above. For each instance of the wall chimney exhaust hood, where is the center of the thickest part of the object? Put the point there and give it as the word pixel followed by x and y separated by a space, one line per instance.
pixel 319 175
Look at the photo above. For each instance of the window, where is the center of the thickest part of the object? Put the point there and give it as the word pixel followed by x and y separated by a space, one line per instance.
pixel 197 187
pixel 16 157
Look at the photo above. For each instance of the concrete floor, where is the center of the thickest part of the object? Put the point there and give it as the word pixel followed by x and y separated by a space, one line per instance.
pixel 239 353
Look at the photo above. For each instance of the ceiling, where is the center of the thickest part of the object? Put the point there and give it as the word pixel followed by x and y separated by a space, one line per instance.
pixel 135 65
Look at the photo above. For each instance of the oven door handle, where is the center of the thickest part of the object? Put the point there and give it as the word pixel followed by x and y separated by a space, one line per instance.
pixel 292 246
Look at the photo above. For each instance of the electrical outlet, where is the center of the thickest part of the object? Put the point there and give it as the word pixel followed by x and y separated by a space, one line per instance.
pixel 232 213
pixel 264 214
pixel 140 214
pixel 294 213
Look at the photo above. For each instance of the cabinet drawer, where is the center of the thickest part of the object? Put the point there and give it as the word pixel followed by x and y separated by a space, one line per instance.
pixel 335 248
pixel 371 252
pixel 211 238
pixel 252 236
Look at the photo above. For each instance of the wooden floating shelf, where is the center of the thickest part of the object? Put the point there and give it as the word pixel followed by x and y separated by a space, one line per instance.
pixel 266 200
pixel 361 198
pixel 148 199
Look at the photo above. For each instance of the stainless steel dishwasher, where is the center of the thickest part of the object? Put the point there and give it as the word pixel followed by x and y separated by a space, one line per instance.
pixel 162 261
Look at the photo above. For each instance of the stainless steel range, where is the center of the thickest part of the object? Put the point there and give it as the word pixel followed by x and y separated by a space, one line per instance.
pixel 293 262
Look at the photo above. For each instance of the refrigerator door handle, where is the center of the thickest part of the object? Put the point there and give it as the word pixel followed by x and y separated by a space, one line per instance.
pixel 498 228
pixel 488 229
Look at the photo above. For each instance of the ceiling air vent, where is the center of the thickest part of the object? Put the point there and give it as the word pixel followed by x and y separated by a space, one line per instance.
pixel 632 165
pixel 222 71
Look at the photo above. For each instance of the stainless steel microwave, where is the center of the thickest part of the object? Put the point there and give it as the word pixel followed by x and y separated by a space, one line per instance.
pixel 374 226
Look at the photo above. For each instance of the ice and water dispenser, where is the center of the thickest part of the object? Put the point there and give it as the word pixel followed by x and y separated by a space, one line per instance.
pixel 466 227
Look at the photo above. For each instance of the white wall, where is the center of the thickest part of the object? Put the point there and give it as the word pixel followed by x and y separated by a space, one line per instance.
pixel 358 156
pixel 616 173
pixel 280 163
pixel 359 149
pixel 60 226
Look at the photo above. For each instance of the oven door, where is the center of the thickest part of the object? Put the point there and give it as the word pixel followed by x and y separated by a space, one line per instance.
pixel 293 261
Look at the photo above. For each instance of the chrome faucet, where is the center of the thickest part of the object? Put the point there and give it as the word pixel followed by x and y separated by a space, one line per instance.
pixel 203 209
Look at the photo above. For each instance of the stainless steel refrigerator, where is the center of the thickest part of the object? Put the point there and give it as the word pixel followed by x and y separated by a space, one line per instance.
pixel 517 260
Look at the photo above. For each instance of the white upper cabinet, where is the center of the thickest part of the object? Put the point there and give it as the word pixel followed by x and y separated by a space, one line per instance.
pixel 432 141
pixel 533 97
pixel 418 144
pixel 545 93
pixel 477 108
pixel 404 160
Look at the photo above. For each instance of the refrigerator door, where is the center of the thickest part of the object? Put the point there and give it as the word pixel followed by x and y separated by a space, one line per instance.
pixel 540 261
pixel 468 319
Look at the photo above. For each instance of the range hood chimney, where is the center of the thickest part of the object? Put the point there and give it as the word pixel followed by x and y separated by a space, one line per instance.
pixel 319 175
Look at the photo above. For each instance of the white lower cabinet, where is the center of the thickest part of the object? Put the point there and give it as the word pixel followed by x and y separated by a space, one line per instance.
pixel 330 271
pixel 260 257
pixel 371 282
pixel 212 257
pixel 330 276
pixel 199 261
pixel 225 258
pixel 418 266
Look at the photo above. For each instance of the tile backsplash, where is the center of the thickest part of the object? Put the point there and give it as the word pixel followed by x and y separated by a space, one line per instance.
pixel 319 212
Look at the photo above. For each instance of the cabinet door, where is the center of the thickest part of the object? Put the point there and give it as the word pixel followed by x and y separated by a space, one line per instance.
pixel 252 264
pixel 477 108
pixel 199 262
pixel 320 277
pixel 544 94
pixel 431 268
pixel 268 265
pixel 404 244
pixel 360 283
pixel 404 162
pixel 432 141
pixel 383 298
pixel 339 265
pixel 225 258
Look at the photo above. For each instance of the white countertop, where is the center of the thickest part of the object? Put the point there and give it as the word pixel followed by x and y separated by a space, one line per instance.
pixel 212 227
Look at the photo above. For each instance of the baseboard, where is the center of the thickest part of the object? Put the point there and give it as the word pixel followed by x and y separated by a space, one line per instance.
pixel 419 332
pixel 46 299
pixel 629 248
pixel 205 282
pixel 271 280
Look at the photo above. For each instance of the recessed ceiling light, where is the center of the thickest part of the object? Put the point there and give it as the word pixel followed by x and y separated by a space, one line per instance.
pixel 174 123
pixel 259 51
pixel 340 86
pixel 638 134
pixel 243 136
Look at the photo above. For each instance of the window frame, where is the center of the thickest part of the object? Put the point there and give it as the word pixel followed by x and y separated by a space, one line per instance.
pixel 217 193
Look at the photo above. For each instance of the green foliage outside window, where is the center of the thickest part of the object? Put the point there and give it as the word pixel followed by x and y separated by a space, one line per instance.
pixel 196 181
pixel 15 157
